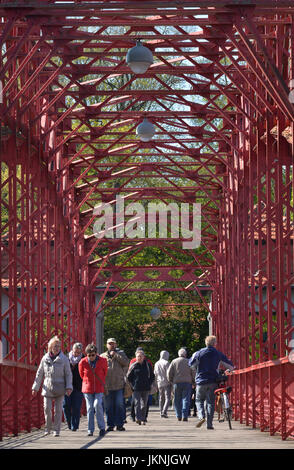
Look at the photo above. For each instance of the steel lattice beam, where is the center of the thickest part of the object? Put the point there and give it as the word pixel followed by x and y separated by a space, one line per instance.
pixel 219 94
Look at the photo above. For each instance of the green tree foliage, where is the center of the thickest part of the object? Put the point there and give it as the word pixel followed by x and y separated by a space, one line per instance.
pixel 178 326
pixel 181 326
pixel 124 324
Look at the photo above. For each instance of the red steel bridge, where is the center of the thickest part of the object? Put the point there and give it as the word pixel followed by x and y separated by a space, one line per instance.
pixel 220 96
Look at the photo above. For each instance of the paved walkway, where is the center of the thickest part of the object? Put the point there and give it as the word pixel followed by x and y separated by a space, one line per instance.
pixel 158 433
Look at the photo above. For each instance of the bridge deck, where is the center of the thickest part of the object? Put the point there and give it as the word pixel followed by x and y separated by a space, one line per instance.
pixel 158 433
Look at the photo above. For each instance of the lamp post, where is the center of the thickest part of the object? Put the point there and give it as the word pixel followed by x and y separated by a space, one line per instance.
pixel 139 58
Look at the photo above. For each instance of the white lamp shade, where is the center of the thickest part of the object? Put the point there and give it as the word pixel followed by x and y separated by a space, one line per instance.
pixel 139 58
pixel 155 313
pixel 145 131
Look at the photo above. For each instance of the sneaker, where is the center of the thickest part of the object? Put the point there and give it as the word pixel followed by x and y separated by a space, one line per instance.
pixel 120 428
pixel 46 433
pixel 210 427
pixel 102 432
pixel 56 434
pixel 164 416
pixel 90 433
pixel 200 422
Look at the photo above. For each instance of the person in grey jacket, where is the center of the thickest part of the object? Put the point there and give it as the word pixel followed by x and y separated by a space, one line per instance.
pixel 182 376
pixel 163 384
pixel 55 373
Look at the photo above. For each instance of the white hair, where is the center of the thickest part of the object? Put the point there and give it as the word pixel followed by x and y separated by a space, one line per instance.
pixel 210 340
pixel 182 352
pixel 52 341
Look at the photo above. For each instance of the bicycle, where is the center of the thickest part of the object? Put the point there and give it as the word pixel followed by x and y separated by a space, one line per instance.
pixel 222 399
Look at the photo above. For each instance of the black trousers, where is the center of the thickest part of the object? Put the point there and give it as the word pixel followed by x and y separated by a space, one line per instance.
pixel 133 416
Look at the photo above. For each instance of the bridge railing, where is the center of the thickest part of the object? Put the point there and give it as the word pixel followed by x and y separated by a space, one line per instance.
pixel 18 410
pixel 263 396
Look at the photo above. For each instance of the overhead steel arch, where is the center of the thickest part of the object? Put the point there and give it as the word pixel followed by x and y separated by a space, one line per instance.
pixel 220 95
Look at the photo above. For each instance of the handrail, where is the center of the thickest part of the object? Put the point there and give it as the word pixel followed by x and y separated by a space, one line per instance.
pixel 21 365
pixel 262 365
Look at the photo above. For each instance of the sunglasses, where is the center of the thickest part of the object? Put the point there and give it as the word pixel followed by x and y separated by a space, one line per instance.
pixel 91 354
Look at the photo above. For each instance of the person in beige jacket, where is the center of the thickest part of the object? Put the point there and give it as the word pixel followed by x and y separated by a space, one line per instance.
pixel 182 376
pixel 115 380
pixel 55 374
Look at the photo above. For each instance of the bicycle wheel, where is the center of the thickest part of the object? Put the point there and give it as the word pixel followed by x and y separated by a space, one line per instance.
pixel 220 408
pixel 227 410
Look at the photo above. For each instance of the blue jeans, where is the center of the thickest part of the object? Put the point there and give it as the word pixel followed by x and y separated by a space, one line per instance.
pixel 94 405
pixel 182 399
pixel 189 399
pixel 72 409
pixel 204 393
pixel 115 408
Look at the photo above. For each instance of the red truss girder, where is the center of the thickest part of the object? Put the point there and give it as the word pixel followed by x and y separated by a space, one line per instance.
pixel 224 122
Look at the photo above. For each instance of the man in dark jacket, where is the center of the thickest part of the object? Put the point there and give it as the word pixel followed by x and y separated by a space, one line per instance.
pixel 141 376
pixel 72 404
pixel 133 414
pixel 207 361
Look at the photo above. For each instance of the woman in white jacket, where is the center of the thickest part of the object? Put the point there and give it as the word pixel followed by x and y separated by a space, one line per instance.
pixel 163 384
pixel 55 370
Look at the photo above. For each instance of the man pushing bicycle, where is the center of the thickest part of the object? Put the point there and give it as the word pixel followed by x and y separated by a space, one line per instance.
pixel 208 361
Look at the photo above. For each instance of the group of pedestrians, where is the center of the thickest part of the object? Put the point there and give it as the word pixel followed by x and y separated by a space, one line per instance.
pixel 101 380
pixel 201 371
pixel 67 379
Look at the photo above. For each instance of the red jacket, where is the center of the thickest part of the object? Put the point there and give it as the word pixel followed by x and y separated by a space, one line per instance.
pixel 90 383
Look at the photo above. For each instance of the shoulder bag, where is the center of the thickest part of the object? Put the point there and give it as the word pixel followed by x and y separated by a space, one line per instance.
pixel 98 378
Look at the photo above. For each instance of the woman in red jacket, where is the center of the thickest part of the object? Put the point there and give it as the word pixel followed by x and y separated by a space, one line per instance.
pixel 93 370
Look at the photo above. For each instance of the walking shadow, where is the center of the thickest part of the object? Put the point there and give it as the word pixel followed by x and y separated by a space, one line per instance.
pixel 92 442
